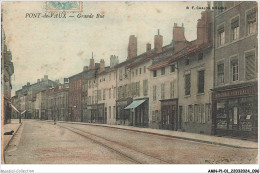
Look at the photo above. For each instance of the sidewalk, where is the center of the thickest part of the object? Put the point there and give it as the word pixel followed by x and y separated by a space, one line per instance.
pixel 223 141
pixel 14 125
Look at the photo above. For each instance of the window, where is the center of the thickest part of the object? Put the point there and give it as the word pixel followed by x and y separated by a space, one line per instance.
pixel 133 74
pixel 114 93
pixel 200 56
pixel 250 65
pixel 154 73
pixel 172 90
pixel 234 69
pixel 163 91
pixel 221 36
pixel 120 75
pixel 162 70
pixel 196 113
pixel 154 93
pixel 235 29
pixel 136 72
pixel 109 93
pixel 187 84
pixel 138 88
pixel 172 68
pixel 109 111
pixel 144 69
pixel 220 73
pixel 201 82
pixel 203 118
pixel 153 116
pixel 145 87
pixel 251 21
pixel 104 94
pixel 114 112
pixel 140 71
pixel 190 113
pixel 187 61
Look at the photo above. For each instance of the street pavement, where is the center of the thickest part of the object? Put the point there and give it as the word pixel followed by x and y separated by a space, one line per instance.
pixel 40 142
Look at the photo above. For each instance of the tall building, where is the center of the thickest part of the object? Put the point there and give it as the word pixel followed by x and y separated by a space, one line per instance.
pixel 235 109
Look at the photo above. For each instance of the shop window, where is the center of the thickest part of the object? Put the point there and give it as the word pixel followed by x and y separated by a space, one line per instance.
pixel 221 36
pixel 154 73
pixel 201 81
pixel 163 91
pixel 221 115
pixel 250 65
pixel 154 93
pixel 163 71
pixel 220 73
pixel 251 21
pixel 187 84
pixel 234 69
pixel 235 28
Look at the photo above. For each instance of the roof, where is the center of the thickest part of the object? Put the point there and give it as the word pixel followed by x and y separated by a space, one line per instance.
pixel 194 47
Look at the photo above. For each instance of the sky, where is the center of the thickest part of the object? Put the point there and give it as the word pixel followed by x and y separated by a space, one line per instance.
pixel 61 47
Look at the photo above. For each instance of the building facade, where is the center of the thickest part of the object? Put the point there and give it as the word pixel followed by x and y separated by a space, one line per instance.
pixel 235 103
pixel 7 69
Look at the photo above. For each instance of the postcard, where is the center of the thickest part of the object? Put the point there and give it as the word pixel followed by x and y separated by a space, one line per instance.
pixel 129 82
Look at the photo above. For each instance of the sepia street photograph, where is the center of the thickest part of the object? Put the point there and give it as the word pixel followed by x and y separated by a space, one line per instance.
pixel 130 83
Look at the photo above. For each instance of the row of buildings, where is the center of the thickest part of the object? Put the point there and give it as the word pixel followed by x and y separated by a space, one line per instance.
pixel 207 86
pixel 7 70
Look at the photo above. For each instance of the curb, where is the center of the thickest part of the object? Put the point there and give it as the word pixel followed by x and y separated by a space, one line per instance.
pixel 10 141
pixel 160 134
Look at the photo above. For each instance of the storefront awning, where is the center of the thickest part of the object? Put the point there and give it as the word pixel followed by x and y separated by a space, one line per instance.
pixel 135 104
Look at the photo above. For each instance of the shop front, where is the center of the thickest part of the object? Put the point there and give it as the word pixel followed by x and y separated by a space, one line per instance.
pixel 169 114
pixel 97 114
pixel 139 112
pixel 122 115
pixel 235 111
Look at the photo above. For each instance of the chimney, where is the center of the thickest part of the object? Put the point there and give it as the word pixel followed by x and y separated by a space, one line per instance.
pixel 113 61
pixel 148 49
pixel 45 77
pixel 158 42
pixel 85 68
pixel 97 65
pixel 179 40
pixel 132 47
pixel 92 63
pixel 102 65
pixel 38 80
pixel 28 83
pixel 204 27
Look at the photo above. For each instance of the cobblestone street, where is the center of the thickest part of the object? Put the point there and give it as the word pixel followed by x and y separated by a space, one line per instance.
pixel 41 142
